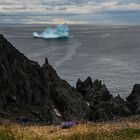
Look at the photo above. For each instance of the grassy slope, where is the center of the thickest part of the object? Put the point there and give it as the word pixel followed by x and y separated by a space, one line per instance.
pixel 126 129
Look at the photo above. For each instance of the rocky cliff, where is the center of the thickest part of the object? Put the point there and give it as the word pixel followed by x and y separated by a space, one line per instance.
pixel 35 93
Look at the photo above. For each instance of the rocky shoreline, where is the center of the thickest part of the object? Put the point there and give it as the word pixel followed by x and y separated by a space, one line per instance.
pixel 34 93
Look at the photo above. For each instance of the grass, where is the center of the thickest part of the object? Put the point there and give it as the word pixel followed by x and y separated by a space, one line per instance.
pixel 121 130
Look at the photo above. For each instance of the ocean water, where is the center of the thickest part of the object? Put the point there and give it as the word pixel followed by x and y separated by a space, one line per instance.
pixel 109 53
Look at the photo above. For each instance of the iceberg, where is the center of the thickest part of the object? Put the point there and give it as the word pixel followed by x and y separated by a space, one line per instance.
pixel 61 31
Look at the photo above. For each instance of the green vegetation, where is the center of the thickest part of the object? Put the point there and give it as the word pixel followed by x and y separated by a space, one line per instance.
pixel 97 131
pixel 124 134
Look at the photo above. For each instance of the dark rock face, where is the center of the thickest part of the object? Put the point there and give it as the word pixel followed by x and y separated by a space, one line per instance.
pixel 23 87
pixel 83 86
pixel 29 92
pixel 63 96
pixel 134 99
pixel 119 107
pixel 102 105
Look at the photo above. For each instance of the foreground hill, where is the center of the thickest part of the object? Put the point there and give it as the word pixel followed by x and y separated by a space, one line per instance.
pixel 33 93
pixel 126 128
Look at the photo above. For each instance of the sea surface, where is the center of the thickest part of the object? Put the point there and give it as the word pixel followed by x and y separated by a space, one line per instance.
pixel 109 53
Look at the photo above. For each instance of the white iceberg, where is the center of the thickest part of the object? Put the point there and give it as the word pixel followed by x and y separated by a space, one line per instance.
pixel 61 31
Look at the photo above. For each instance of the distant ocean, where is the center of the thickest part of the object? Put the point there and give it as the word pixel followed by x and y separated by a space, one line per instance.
pixel 109 53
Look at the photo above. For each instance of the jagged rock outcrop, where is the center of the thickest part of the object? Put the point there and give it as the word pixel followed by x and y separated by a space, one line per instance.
pixel 63 96
pixel 23 88
pixel 30 92
pixel 134 99
pixel 102 105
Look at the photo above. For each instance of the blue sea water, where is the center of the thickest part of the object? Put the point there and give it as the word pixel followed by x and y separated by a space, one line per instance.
pixel 109 53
